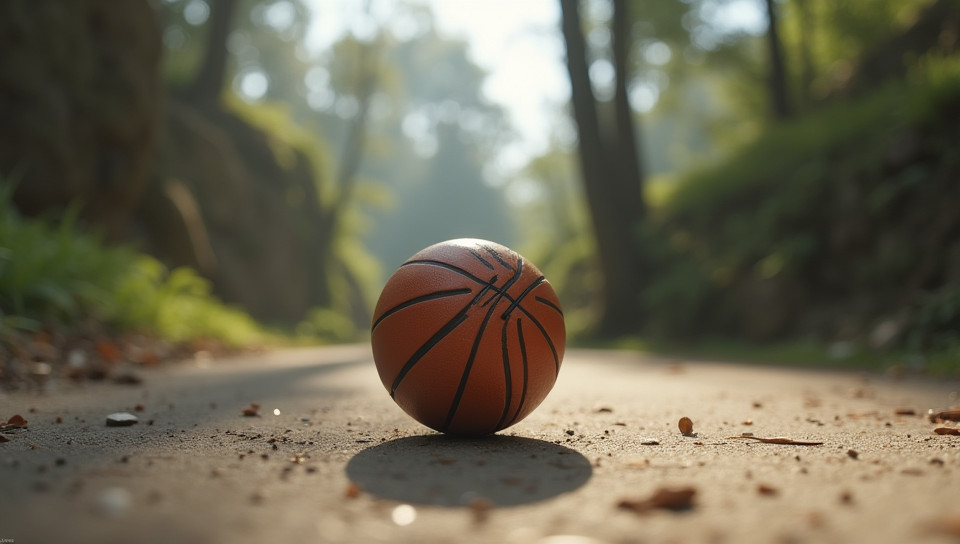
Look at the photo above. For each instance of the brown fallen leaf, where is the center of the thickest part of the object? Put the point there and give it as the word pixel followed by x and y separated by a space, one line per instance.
pixel 767 490
pixel 947 430
pixel 784 441
pixel 950 414
pixel 946 525
pixel 252 410
pixel 108 350
pixel 686 426
pixel 675 499
pixel 480 507
pixel 353 491
pixel 15 422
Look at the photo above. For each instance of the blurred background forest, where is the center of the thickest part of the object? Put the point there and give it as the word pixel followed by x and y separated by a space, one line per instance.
pixel 772 175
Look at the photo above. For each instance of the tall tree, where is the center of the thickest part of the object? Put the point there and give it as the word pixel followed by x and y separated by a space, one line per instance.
pixel 778 75
pixel 330 220
pixel 805 41
pixel 208 83
pixel 611 172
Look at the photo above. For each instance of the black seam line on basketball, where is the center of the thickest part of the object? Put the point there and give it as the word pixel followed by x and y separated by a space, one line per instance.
pixel 466 369
pixel 497 256
pixel 507 378
pixel 556 358
pixel 418 300
pixel 457 270
pixel 509 283
pixel 447 328
pixel 533 285
pixel 481 259
pixel 448 266
pixel 550 304
pixel 523 356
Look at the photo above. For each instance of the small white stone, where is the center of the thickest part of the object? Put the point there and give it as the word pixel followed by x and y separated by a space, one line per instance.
pixel 121 419
pixel 114 501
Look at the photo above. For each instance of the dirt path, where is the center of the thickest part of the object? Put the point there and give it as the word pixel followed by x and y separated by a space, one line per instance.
pixel 339 462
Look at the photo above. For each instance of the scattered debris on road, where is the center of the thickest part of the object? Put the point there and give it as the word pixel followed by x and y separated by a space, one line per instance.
pixel 947 430
pixel 252 411
pixel 784 441
pixel 121 419
pixel 767 491
pixel 675 499
pixel 950 414
pixel 15 422
pixel 353 491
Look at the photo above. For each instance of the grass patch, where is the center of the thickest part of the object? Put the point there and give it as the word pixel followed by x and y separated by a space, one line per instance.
pixel 53 274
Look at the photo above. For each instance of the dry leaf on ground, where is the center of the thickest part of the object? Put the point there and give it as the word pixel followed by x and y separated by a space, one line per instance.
pixel 785 441
pixel 767 490
pixel 947 525
pixel 950 414
pixel 675 499
pixel 353 491
pixel 947 430
pixel 15 422
pixel 480 507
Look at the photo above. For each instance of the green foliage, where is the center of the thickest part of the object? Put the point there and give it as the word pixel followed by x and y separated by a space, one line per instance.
pixel 56 274
pixel 177 305
pixel 328 326
pixel 766 214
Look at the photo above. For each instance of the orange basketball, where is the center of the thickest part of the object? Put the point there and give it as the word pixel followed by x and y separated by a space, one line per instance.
pixel 468 337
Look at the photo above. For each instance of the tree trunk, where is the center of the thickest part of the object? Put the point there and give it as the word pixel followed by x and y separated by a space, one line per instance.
pixel 629 163
pixel 806 27
pixel 778 75
pixel 350 160
pixel 611 176
pixel 208 83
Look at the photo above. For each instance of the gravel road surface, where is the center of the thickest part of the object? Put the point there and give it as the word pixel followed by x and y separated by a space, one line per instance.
pixel 329 457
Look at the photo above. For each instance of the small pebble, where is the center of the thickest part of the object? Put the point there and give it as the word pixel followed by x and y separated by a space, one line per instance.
pixel 114 501
pixel 121 419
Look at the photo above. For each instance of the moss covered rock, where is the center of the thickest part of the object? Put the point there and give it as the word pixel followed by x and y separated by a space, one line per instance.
pixel 80 103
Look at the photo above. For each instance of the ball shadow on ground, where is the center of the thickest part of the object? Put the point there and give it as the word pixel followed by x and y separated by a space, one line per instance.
pixel 446 471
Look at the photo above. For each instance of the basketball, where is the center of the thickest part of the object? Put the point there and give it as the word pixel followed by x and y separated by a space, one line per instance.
pixel 468 337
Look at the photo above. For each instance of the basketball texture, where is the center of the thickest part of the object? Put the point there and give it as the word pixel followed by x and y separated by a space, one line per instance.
pixel 468 337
